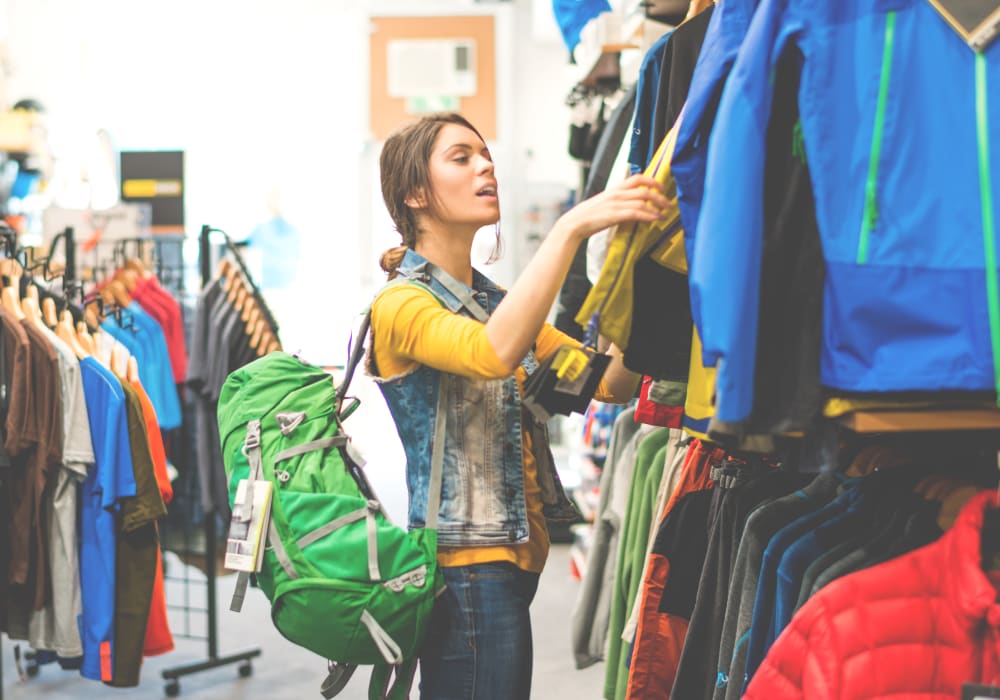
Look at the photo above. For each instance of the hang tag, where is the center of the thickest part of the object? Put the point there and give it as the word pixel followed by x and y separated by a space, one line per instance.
pixel 570 363
pixel 974 691
pixel 976 21
pixel 565 383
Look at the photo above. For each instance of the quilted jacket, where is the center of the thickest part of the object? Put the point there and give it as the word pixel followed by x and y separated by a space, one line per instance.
pixel 920 626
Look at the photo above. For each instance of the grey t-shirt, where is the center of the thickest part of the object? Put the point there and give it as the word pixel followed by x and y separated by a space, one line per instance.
pixel 55 626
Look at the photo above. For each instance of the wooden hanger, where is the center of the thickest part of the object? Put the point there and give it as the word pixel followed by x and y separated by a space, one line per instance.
pixel 10 296
pixel 241 299
pixel 235 285
pixel 251 323
pixel 64 329
pixel 265 342
pixel 223 272
pixel 132 369
pixel 697 7
pixel 248 308
pixel 29 304
pixel 953 503
pixel 119 293
pixel 119 360
pixel 12 302
pixel 49 312
pixel 129 278
pixel 85 338
pixel 136 265
pixel 877 457
pixel 258 333
pixel 92 314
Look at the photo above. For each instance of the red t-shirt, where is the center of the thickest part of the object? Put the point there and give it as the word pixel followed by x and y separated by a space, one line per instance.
pixel 165 310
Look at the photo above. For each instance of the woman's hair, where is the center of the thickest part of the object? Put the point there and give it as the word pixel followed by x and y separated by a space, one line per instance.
pixel 405 170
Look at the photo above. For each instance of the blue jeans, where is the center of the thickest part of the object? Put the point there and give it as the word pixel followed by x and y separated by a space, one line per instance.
pixel 479 645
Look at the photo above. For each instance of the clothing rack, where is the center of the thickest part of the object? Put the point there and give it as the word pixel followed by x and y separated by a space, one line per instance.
pixel 172 676
pixel 8 241
pixel 205 251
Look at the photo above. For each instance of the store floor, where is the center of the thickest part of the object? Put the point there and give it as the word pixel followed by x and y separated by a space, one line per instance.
pixel 286 672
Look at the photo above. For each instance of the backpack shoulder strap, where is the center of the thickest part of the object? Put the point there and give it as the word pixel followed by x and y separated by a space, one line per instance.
pixel 358 344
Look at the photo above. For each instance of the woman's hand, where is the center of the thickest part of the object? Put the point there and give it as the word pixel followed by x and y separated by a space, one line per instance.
pixel 639 198
pixel 515 324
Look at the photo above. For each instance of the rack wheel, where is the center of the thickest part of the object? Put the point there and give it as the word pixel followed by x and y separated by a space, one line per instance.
pixel 32 669
pixel 172 689
pixel 246 669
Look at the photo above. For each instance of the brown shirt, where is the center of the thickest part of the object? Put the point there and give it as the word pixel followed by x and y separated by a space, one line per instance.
pixel 137 548
pixel 18 434
pixel 28 565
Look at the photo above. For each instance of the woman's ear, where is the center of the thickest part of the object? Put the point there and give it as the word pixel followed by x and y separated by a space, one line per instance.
pixel 417 200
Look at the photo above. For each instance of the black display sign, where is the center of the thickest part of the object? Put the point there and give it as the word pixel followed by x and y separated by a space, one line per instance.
pixel 976 21
pixel 974 691
pixel 156 178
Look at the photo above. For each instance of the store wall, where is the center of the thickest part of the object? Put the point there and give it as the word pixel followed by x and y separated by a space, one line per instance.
pixel 269 102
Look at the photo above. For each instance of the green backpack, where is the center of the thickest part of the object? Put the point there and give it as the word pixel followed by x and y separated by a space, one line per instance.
pixel 343 581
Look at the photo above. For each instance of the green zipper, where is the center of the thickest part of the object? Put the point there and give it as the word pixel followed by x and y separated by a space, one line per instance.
pixel 871 187
pixel 989 233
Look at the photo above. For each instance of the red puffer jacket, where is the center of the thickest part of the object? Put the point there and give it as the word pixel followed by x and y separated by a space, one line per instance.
pixel 917 626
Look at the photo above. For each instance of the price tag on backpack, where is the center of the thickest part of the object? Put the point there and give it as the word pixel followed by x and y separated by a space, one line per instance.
pixel 974 691
pixel 976 21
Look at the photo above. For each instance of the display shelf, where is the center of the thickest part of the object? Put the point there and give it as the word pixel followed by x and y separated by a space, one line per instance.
pixel 900 421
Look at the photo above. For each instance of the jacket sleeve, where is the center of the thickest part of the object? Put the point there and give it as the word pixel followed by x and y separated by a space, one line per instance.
pixel 410 327
pixel 725 270
pixel 804 662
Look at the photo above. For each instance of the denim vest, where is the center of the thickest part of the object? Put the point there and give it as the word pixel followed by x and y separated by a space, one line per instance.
pixel 482 491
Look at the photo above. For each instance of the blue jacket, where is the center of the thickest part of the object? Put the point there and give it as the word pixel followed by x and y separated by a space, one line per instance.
pixel 482 492
pixel 895 116
pixel 725 34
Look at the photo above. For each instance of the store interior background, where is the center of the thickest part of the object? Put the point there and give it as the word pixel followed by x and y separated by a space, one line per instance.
pixel 269 103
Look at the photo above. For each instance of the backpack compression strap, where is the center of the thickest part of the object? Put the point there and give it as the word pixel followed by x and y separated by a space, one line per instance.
pixel 251 447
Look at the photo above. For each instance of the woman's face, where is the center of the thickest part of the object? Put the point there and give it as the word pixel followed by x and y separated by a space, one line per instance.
pixel 462 183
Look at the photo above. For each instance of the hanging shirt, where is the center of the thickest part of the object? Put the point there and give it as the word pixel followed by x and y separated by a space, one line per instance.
pixel 145 341
pixel 897 140
pixel 642 147
pixel 29 557
pixel 111 480
pixel 166 310
pixel 19 428
pixel 138 547
pixel 54 628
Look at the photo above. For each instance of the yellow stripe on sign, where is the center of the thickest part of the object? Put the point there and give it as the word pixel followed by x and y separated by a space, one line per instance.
pixel 151 188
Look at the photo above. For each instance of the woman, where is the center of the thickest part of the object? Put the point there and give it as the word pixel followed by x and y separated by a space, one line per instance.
pixel 498 482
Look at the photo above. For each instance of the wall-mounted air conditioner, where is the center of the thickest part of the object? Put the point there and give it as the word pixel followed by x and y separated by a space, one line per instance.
pixel 431 68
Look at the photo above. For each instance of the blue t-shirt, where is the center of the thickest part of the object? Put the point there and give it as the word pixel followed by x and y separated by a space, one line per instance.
pixel 145 341
pixel 108 481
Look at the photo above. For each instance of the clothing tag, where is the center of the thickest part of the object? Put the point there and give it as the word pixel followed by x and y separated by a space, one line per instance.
pixel 974 691
pixel 976 21
pixel 565 383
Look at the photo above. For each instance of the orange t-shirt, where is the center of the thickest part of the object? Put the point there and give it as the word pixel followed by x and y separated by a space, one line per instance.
pixel 159 639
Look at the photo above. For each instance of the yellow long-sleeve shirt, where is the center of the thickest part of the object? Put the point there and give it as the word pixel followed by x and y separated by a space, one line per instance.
pixel 411 328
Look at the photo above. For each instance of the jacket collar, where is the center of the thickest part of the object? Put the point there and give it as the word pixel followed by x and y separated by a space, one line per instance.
pixel 967 584
pixel 414 266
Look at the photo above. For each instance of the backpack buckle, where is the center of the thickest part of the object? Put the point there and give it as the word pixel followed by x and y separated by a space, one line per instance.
pixel 289 421
pixel 252 440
